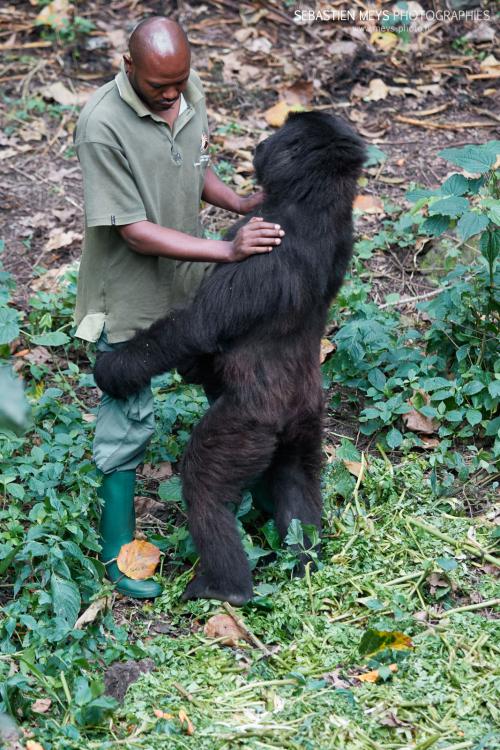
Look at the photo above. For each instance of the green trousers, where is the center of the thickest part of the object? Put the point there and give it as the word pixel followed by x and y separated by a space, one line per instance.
pixel 123 427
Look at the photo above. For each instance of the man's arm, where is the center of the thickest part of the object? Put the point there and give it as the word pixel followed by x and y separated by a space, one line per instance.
pixel 147 238
pixel 217 193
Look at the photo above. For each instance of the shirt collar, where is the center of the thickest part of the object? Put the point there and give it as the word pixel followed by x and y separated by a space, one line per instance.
pixel 129 96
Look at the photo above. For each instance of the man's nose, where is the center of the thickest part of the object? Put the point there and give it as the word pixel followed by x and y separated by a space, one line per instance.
pixel 169 93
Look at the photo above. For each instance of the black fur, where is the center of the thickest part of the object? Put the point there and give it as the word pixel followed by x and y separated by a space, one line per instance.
pixel 252 336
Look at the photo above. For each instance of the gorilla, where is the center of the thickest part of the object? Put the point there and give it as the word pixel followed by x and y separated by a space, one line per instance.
pixel 252 337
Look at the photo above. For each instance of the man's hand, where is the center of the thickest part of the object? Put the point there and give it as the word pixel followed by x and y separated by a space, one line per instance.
pixel 258 236
pixel 249 203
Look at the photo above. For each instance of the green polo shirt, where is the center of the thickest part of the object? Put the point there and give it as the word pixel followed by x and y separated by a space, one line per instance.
pixel 135 167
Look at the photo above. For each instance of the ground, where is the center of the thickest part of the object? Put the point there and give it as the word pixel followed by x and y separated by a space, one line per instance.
pixel 401 555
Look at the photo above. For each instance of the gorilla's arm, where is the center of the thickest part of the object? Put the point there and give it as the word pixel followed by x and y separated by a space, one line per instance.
pixel 233 300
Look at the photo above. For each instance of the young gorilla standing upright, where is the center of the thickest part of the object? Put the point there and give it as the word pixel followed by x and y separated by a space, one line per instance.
pixel 253 336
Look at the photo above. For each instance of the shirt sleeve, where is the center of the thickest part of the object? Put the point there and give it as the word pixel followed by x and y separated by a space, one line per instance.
pixel 110 191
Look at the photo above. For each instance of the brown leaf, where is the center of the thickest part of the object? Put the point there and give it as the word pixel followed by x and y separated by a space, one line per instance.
pixel 375 91
pixel 416 422
pixel 146 506
pixel 60 239
pixel 326 350
pixel 224 627
pixel 161 714
pixel 368 204
pixel 336 680
pixel 138 559
pixel 429 442
pixel 373 675
pixel 89 418
pixel 90 614
pixel 32 745
pixel 51 280
pixel 186 722
pixel 62 95
pixel 56 15
pixel 41 706
pixel 490 65
pixel 355 467
pixel 162 470
pixel 276 116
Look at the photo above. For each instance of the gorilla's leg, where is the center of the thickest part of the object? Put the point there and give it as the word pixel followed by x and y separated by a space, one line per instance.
pixel 295 477
pixel 224 451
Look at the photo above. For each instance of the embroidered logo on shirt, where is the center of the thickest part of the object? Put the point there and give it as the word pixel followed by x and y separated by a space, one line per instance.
pixel 204 142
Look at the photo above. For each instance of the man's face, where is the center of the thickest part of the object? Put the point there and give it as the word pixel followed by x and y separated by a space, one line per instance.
pixel 158 81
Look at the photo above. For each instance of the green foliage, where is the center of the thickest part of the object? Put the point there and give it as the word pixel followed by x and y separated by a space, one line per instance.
pixel 450 372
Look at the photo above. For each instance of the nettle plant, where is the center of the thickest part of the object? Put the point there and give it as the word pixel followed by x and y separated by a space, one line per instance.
pixel 450 371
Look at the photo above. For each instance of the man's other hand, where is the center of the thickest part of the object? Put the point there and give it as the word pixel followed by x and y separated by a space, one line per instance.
pixel 249 203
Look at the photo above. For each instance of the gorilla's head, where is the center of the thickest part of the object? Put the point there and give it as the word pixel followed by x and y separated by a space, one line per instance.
pixel 311 155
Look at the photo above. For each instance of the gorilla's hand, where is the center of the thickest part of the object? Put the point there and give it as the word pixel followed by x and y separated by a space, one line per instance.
pixel 110 374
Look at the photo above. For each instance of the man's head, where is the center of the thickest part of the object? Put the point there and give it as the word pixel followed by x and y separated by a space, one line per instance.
pixel 158 61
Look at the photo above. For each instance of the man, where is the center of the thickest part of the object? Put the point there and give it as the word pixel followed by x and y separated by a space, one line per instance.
pixel 142 142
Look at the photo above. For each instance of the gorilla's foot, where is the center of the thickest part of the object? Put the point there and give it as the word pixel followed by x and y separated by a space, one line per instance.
pixel 201 588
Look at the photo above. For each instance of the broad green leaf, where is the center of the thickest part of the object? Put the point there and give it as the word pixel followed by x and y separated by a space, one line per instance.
pixel 435 225
pixel 295 535
pixel 475 159
pixel 492 206
pixel 494 389
pixel 171 490
pixel 377 378
pixel 446 563
pixel 394 438
pixel 470 224
pixel 457 184
pixel 470 389
pixel 53 338
pixel 66 601
pixel 374 156
pixel 473 416
pixel 453 206
pixel 9 327
pixel 489 245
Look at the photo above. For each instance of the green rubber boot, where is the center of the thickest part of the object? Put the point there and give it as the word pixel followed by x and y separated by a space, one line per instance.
pixel 117 527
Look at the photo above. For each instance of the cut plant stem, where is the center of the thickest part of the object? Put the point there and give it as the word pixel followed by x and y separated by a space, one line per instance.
pixel 475 549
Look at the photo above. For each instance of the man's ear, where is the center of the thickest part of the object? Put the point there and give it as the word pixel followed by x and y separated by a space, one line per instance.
pixel 128 63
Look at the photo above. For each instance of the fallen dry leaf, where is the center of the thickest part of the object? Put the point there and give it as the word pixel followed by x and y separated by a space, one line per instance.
pixel 138 559
pixel 275 116
pixel 224 627
pixel 162 714
pixel 375 91
pixel 490 65
pixel 384 40
pixel 429 442
pixel 186 722
pixel 90 614
pixel 354 467
pixel 162 470
pixel 51 280
pixel 368 204
pixel 327 348
pixel 32 745
pixel 62 95
pixel 146 506
pixel 60 239
pixel 41 706
pixel 373 675
pixel 416 422
pixel 56 15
